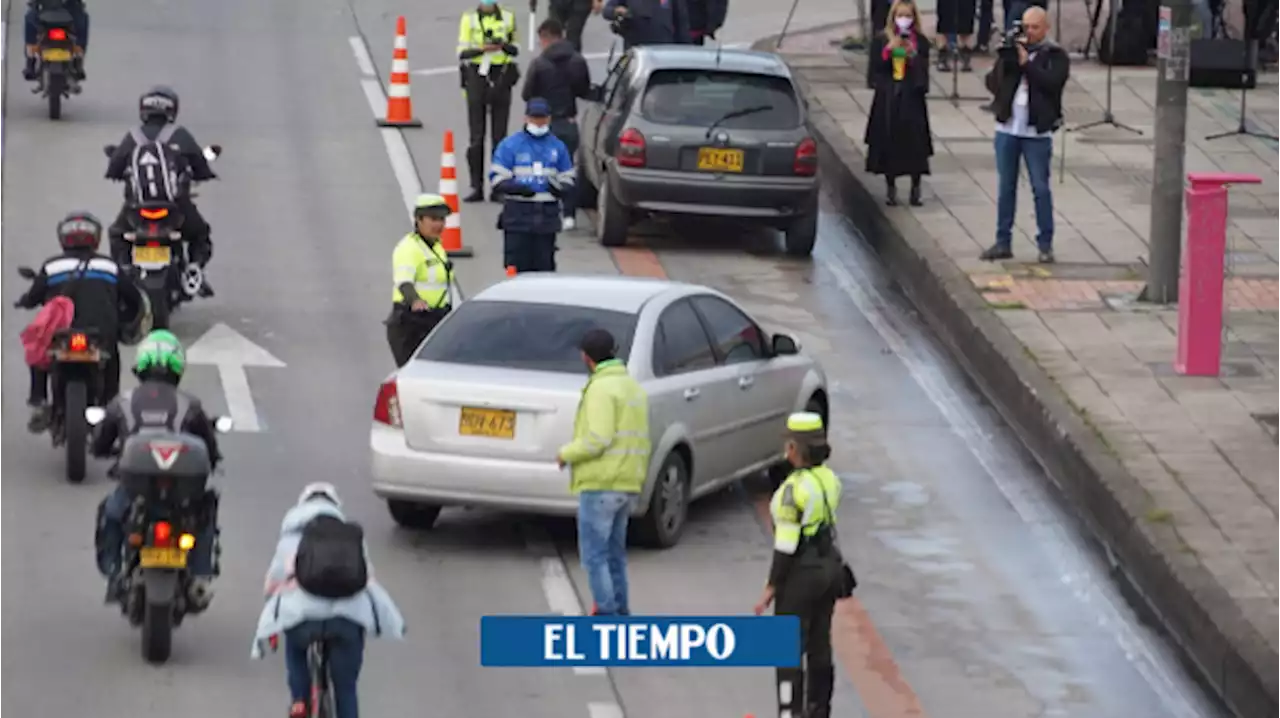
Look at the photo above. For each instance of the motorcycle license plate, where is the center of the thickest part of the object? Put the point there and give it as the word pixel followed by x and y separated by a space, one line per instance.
pixel 56 54
pixel 162 557
pixel 150 255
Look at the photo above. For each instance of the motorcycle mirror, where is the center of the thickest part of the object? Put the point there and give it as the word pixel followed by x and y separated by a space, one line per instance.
pixel 223 424
pixel 108 150
pixel 26 272
pixel 94 415
pixel 211 152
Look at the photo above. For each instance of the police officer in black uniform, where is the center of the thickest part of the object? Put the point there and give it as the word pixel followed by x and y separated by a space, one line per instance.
pixel 158 108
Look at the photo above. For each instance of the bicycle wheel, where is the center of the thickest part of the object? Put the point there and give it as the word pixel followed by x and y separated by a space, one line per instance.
pixel 321 703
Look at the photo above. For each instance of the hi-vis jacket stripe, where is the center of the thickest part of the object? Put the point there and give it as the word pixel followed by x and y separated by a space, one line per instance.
pixel 500 174
pixel 63 268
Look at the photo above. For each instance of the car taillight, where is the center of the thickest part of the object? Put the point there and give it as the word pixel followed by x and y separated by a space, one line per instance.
pixel 387 409
pixel 806 159
pixel 161 533
pixel 631 148
pixel 57 33
pixel 79 342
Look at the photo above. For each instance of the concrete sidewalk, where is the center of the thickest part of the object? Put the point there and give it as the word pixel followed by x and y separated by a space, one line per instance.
pixel 1177 475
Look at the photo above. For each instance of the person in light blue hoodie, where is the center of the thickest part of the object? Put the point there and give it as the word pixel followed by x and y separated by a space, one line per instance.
pixel 303 617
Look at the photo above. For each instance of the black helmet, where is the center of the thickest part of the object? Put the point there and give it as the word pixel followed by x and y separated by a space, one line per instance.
pixel 80 230
pixel 159 101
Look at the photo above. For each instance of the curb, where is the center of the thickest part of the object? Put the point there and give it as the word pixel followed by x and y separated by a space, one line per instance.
pixel 1187 601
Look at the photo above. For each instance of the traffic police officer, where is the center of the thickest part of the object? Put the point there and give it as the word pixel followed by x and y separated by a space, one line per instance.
pixel 805 577
pixel 532 170
pixel 487 50
pixel 422 271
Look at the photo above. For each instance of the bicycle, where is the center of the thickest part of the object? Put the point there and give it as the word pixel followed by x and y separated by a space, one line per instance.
pixel 322 701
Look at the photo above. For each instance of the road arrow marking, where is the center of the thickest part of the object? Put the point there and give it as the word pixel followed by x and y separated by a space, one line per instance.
pixel 226 349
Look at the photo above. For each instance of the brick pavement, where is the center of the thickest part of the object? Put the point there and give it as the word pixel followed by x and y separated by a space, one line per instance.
pixel 1203 450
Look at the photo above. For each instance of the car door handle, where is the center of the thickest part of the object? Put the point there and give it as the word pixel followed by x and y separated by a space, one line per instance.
pixel 745 382
pixel 691 394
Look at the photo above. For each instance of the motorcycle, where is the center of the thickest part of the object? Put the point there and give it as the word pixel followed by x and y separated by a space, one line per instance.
pixel 76 365
pixel 155 231
pixel 56 43
pixel 166 474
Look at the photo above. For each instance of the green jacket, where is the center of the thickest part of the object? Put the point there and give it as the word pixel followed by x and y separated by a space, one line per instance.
pixel 610 447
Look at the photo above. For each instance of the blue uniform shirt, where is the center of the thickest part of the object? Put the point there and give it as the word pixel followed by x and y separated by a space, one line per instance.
pixel 541 164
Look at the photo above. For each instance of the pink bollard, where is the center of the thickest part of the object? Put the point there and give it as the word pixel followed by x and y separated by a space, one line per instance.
pixel 1200 288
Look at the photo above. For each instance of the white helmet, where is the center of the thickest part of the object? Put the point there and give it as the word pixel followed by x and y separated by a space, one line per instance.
pixel 320 488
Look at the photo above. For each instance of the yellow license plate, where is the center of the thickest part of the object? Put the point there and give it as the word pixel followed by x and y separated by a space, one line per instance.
pixel 150 255
pixel 493 423
pixel 70 356
pixel 56 54
pixel 162 557
pixel 716 160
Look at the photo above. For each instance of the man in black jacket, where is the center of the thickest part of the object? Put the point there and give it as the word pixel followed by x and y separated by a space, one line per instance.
pixel 1027 80
pixel 649 22
pixel 560 75
pixel 572 16
pixel 706 17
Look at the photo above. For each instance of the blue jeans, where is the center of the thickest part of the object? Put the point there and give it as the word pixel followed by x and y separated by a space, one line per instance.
pixel 110 537
pixel 80 26
pixel 346 656
pixel 602 544
pixel 1037 152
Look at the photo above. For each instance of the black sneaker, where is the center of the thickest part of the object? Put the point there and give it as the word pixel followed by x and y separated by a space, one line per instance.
pixel 475 196
pixel 39 421
pixel 77 69
pixel 29 70
pixel 995 253
pixel 113 590
pixel 206 289
pixel 1046 257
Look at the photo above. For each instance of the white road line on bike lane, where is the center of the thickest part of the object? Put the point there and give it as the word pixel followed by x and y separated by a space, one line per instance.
pixel 556 586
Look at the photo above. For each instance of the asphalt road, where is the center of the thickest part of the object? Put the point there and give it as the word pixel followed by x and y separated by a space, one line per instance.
pixel 978 598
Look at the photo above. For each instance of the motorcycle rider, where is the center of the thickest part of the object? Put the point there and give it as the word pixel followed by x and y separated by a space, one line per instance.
pixel 156 108
pixel 157 403
pixel 31 28
pixel 105 298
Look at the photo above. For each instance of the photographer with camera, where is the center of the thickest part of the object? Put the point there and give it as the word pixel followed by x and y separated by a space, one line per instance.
pixel 649 22
pixel 1027 81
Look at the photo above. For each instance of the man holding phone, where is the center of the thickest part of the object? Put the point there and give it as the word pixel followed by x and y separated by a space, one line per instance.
pixel 531 170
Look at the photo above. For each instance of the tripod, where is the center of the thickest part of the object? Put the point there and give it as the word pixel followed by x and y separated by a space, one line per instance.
pixel 1108 117
pixel 1243 129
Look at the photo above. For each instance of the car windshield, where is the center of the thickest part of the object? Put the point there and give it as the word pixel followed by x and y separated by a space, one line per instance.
pixel 523 335
pixel 699 98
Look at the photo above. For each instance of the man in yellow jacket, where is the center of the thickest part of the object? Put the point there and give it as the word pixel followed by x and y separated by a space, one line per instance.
pixel 609 458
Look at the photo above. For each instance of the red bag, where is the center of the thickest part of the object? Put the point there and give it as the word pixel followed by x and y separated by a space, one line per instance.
pixel 56 314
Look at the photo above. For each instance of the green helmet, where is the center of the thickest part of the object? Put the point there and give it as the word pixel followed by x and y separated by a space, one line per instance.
pixel 161 351
pixel 431 205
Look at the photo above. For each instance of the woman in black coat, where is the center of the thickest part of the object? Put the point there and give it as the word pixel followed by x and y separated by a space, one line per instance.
pixel 898 138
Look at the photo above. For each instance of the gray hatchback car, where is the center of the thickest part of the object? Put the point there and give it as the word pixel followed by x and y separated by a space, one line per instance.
pixel 685 130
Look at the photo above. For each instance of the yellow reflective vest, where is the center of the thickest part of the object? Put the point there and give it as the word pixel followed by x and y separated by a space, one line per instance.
pixel 471 34
pixel 610 447
pixel 798 508
pixel 422 264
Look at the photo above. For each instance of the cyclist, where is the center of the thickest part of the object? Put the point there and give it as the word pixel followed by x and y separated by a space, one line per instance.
pixel 320 587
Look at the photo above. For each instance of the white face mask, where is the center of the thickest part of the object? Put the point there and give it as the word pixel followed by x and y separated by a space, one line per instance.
pixel 903 23
pixel 537 130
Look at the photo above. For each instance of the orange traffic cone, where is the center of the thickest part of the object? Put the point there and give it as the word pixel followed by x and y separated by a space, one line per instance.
pixel 511 272
pixel 399 106
pixel 451 237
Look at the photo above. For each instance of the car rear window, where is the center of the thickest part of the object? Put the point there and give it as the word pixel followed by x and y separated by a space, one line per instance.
pixel 523 335
pixel 700 97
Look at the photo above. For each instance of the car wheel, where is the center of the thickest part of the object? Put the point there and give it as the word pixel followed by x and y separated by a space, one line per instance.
pixel 613 220
pixel 801 235
pixel 664 522
pixel 587 192
pixel 413 515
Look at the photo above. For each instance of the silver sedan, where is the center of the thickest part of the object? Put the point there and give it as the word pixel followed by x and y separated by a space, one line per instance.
pixel 477 416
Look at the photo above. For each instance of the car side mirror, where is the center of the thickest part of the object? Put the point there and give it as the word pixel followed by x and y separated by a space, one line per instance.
pixel 95 415
pixel 108 150
pixel 26 272
pixel 223 424
pixel 595 94
pixel 785 345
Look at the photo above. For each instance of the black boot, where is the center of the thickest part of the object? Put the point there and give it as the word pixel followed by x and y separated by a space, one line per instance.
pixel 965 59
pixel 822 681
pixel 29 69
pixel 477 195
pixel 944 60
pixel 915 192
pixel 77 68
pixel 891 192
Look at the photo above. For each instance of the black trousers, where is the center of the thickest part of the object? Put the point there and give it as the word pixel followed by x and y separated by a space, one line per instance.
pixel 809 592
pixel 487 99
pixel 109 381
pixel 529 251
pixel 406 330
pixel 574 20
pixel 195 230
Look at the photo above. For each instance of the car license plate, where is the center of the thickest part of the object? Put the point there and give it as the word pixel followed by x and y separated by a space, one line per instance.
pixel 56 54
pixel 712 159
pixel 162 557
pixel 150 255
pixel 493 423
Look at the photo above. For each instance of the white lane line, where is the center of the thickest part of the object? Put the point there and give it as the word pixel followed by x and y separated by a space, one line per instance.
pixel 430 71
pixel 1030 501
pixel 363 58
pixel 557 587
pixel 605 710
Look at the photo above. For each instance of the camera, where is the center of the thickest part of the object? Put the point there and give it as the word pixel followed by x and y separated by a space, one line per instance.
pixel 1014 36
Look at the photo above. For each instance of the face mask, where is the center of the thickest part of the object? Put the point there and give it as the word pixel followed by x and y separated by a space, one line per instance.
pixel 903 23
pixel 537 130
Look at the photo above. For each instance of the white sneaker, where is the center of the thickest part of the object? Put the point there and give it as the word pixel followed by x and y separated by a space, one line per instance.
pixel 569 224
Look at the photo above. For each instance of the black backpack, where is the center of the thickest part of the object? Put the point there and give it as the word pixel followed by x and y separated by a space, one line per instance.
pixel 330 560
pixel 155 167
